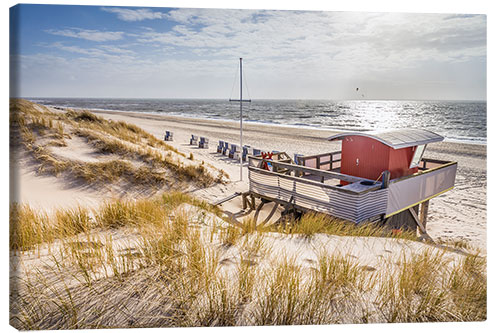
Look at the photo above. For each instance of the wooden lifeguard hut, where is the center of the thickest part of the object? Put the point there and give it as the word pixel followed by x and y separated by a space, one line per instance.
pixel 392 154
pixel 369 154
pixel 377 176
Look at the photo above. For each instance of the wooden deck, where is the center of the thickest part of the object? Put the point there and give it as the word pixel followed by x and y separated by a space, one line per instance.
pixel 318 188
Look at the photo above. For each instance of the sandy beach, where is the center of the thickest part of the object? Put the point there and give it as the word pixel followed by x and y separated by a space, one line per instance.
pixel 90 217
pixel 459 214
pixel 120 216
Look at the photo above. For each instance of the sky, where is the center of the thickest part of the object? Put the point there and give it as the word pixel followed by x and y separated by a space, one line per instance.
pixel 140 52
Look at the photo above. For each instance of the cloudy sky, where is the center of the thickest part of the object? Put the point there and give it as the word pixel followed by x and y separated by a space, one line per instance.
pixel 133 52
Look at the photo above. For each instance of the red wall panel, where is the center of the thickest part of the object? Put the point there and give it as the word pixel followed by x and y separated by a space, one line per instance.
pixel 364 157
pixel 368 158
pixel 399 162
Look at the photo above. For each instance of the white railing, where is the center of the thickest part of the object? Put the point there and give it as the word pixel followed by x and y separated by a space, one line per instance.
pixel 285 183
pixel 409 191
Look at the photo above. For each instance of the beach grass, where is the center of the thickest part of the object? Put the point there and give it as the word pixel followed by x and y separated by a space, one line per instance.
pixel 313 223
pixel 414 294
pixel 171 273
pixel 30 227
pixel 155 263
pixel 140 158
pixel 118 129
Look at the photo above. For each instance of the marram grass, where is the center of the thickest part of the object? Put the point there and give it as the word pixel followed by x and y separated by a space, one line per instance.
pixel 140 159
pixel 313 223
pixel 175 274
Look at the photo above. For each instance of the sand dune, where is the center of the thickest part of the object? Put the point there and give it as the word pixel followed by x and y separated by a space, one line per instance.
pixel 459 214
pixel 81 267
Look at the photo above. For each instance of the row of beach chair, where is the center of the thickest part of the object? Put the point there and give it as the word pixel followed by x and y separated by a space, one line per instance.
pixel 233 151
pixel 203 143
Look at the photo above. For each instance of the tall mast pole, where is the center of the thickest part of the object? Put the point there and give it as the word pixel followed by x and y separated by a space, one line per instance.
pixel 241 119
pixel 241 100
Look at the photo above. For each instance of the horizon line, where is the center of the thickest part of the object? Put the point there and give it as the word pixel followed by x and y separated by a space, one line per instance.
pixel 260 99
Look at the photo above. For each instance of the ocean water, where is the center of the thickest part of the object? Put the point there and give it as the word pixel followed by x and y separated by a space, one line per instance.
pixel 461 121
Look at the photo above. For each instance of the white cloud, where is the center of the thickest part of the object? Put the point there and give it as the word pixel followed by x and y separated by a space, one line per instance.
pixel 287 54
pixel 106 53
pixel 373 39
pixel 92 35
pixel 131 15
pixel 117 50
pixel 339 42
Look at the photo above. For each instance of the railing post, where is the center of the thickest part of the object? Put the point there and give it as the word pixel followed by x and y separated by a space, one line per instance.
pixel 424 209
pixel 244 198
pixel 386 176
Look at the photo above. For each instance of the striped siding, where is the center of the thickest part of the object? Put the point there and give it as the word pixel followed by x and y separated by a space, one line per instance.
pixel 408 192
pixel 352 207
pixel 267 185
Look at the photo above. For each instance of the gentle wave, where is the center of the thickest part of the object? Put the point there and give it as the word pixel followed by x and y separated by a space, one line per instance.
pixel 460 121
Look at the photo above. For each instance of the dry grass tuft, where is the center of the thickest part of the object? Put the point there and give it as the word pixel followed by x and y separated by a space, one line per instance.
pixel 314 223
pixel 29 227
pixel 173 275
pixel 427 289
pixel 141 159
pixel 86 116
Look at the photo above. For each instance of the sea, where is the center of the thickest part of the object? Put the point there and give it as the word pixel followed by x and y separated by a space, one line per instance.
pixel 457 121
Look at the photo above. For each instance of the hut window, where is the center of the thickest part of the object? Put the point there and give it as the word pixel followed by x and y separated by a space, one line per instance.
pixel 417 156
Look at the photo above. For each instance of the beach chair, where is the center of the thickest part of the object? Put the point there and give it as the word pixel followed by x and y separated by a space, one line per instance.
pixel 203 143
pixel 220 147
pixel 232 151
pixel 237 153
pixel 225 148
pixel 296 158
pixel 246 151
pixel 169 136
pixel 256 152
pixel 194 140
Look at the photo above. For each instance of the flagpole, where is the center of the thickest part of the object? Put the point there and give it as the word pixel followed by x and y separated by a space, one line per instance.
pixel 241 100
pixel 241 119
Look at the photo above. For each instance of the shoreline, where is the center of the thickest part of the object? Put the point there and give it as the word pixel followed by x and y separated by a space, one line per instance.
pixel 459 214
pixel 316 134
pixel 248 122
